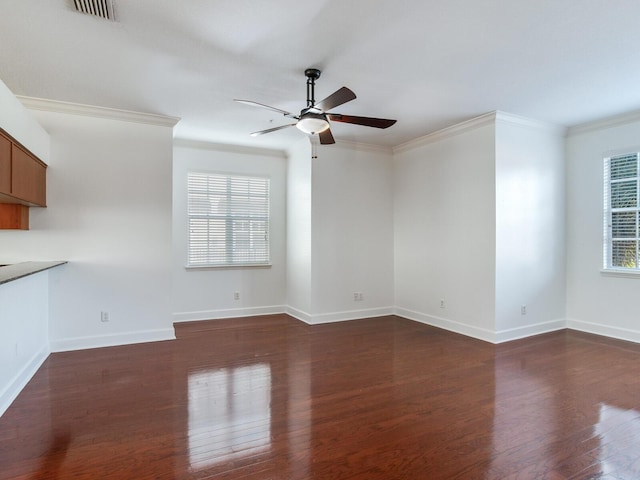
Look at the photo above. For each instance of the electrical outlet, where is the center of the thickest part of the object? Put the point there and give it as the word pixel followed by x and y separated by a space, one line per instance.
pixel 523 310
pixel 236 295
pixel 358 296
pixel 104 317
pixel 442 303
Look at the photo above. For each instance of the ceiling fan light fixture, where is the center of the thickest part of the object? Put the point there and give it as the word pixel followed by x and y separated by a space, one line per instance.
pixel 312 123
pixel 314 119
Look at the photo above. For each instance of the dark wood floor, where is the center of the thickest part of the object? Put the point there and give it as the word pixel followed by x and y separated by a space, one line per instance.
pixel 384 398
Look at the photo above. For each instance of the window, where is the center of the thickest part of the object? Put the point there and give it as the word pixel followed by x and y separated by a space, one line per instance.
pixel 228 220
pixel 621 213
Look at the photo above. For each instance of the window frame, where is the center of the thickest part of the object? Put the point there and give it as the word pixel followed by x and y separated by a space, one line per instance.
pixel 229 263
pixel 608 210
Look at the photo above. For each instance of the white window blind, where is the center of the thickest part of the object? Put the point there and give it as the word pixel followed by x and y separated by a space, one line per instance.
pixel 228 220
pixel 621 212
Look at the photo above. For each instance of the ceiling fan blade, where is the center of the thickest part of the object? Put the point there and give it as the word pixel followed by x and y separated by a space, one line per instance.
pixel 366 121
pixel 337 98
pixel 269 130
pixel 260 105
pixel 326 138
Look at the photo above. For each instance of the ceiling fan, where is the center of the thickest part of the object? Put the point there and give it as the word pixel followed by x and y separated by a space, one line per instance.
pixel 314 119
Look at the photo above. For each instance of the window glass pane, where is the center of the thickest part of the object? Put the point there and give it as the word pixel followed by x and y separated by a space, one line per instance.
pixel 624 166
pixel 624 253
pixel 624 194
pixel 623 224
pixel 206 240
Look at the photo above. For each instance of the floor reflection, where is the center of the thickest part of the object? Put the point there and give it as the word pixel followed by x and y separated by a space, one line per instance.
pixel 619 432
pixel 229 414
pixel 52 460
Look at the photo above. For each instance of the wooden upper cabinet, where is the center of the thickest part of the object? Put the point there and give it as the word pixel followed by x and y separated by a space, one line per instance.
pixel 28 177
pixel 23 183
pixel 23 176
pixel 5 164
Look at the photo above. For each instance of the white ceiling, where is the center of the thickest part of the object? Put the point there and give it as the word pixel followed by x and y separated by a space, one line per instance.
pixel 427 63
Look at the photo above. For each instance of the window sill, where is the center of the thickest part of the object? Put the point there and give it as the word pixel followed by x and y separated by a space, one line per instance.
pixel 228 267
pixel 618 272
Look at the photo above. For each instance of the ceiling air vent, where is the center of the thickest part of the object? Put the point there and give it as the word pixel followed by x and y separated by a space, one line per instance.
pixel 99 8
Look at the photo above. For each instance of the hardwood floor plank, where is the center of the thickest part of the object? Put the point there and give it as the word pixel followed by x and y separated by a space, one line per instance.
pixel 383 398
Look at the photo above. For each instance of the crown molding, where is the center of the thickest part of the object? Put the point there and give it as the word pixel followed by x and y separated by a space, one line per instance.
pixel 477 122
pixel 529 123
pixel 447 132
pixel 603 123
pixel 98 112
pixel 229 148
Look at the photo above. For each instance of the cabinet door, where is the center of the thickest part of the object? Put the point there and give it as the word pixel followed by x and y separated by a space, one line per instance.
pixel 5 164
pixel 28 177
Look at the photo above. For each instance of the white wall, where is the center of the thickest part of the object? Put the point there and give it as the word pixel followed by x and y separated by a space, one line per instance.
pixel 24 343
pixel 530 261
pixel 109 215
pixel 444 218
pixel 352 232
pixel 298 251
pixel 596 302
pixel 201 294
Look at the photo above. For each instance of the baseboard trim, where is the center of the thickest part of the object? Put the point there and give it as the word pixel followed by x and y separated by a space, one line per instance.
pixel 82 343
pixel 350 315
pixel 517 333
pixel 446 324
pixel 298 314
pixel 20 381
pixel 195 316
pixel 344 316
pixel 605 330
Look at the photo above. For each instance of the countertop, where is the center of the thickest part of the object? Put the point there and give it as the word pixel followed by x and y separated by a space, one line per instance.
pixel 19 270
